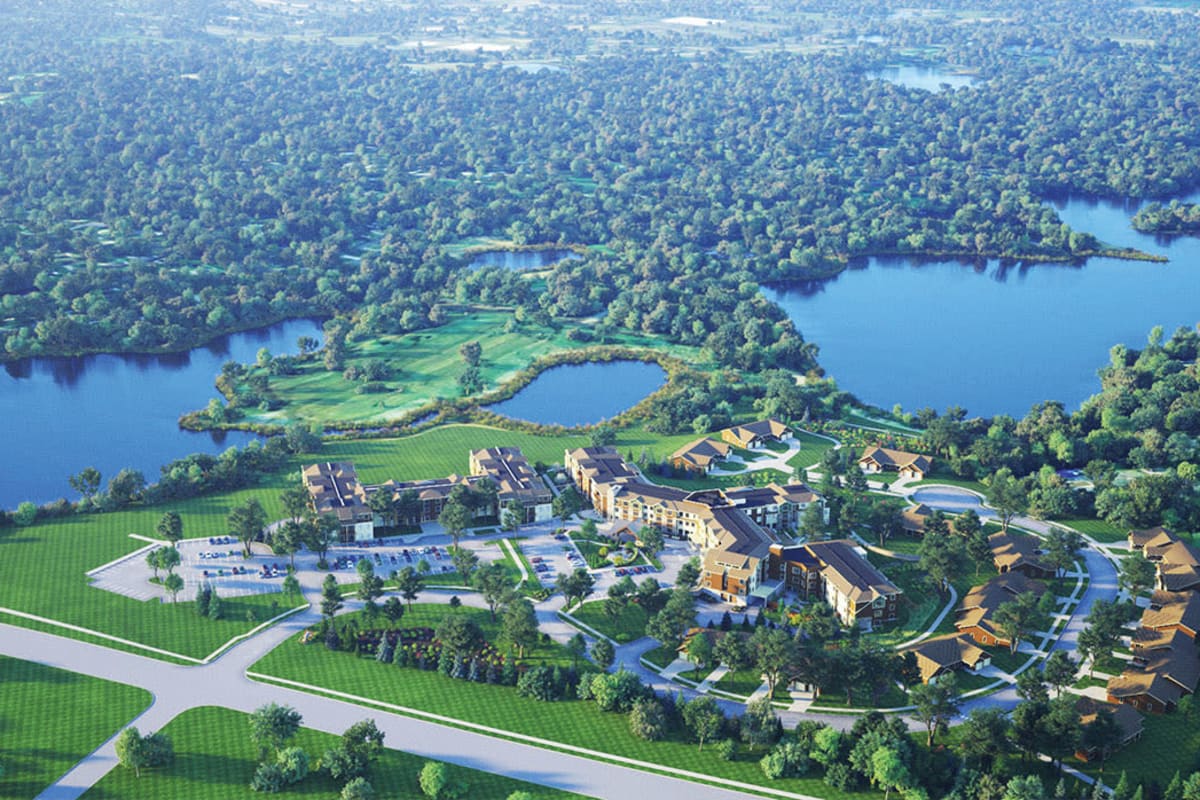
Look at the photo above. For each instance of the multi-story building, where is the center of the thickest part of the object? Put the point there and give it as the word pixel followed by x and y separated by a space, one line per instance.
pixel 594 469
pixel 333 488
pixel 835 571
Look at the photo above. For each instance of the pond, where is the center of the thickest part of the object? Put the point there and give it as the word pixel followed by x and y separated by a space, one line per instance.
pixel 995 339
pixel 521 259
pixel 583 394
pixel 931 79
pixel 59 415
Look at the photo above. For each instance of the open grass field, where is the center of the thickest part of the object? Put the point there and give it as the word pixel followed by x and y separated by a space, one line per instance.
pixel 626 628
pixel 812 449
pixel 424 366
pixel 1098 529
pixel 214 761
pixel 51 718
pixel 574 722
pixel 45 566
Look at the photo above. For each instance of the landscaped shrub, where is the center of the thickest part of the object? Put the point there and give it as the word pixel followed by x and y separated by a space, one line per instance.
pixel 648 720
pixel 538 683
pixel 727 749
pixel 839 776
pixel 617 691
pixel 268 778
pixel 293 764
pixel 787 760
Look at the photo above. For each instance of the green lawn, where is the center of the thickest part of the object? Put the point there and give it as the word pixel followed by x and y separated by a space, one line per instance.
pixel 660 656
pixel 574 722
pixel 891 697
pixel 51 718
pixel 859 419
pixel 743 683
pixel 45 566
pixel 214 761
pixel 1169 743
pixel 629 626
pixel 812 450
pixel 937 478
pixel 1098 529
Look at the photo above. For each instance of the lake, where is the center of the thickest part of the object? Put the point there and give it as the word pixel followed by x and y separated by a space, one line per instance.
pixel 521 259
pixel 995 339
pixel 59 415
pixel 583 394
pixel 931 79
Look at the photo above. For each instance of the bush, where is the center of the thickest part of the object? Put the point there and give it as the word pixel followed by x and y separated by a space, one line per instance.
pixel 616 692
pixel 26 514
pixel 268 778
pixel 358 789
pixel 838 776
pixel 538 683
pixel 293 764
pixel 787 760
pixel 647 720
pixel 727 749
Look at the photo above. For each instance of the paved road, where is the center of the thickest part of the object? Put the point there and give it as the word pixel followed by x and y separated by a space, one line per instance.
pixel 224 683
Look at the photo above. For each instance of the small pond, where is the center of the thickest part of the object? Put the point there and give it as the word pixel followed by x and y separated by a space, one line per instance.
pixel 931 79
pixel 521 259
pixel 59 415
pixel 995 339
pixel 583 394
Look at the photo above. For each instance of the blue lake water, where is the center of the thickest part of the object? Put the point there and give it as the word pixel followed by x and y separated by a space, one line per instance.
pixel 583 394
pixel 930 79
pixel 521 259
pixel 59 415
pixel 995 339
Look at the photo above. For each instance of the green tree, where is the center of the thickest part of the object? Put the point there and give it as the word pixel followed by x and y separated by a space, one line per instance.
pixel 1136 574
pixel 888 771
pixel 603 653
pixel 514 515
pixel 272 726
pixel 246 522
pixel 458 634
pixel 331 598
pixel 86 482
pixel 519 624
pixel 734 652
pixel 455 518
pixel 1059 670
pixel 1025 787
pixel 700 650
pixel 760 725
pixel 1017 617
pixel 154 560
pixel 774 654
pixel 647 720
pixel 322 531
pixel 409 584
pixel 652 540
pixel 494 584
pixel 576 586
pixel 1007 495
pixel 703 718
pixel 935 705
pixel 131 751
pixel 465 562
pixel 434 780
pixel 287 539
pixel 169 559
pixel 173 584
pixel 941 558
pixel 170 527
pixel 985 737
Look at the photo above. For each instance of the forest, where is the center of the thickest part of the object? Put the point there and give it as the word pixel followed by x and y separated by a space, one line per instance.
pixel 167 181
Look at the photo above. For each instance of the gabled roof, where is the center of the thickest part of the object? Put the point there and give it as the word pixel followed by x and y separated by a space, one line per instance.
pixel 1178 661
pixel 334 488
pixel 850 573
pixel 763 428
pixel 895 459
pixel 1013 552
pixel 1180 553
pixel 1001 589
pixel 1128 721
pixel 770 495
pixel 702 452
pixel 1171 609
pixel 737 534
pixel 1132 684
pixel 945 652
pixel 1150 536
pixel 602 464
